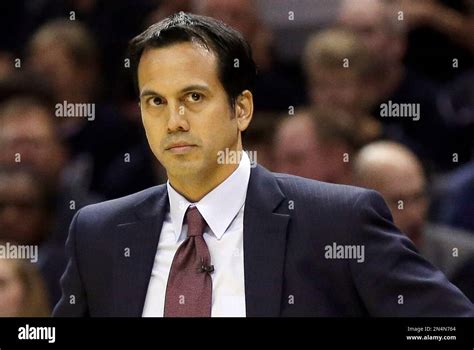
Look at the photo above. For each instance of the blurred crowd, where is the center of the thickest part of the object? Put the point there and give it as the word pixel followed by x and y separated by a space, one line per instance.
pixel 320 113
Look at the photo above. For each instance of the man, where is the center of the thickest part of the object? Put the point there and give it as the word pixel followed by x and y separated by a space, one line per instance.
pixel 396 173
pixel 338 65
pixel 65 54
pixel 259 244
pixel 339 69
pixel 30 139
pixel 246 17
pixel 378 25
pixel 317 144
pixel 25 207
pixel 27 218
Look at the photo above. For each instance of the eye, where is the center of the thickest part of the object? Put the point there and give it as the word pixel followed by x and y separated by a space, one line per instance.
pixel 194 97
pixel 155 101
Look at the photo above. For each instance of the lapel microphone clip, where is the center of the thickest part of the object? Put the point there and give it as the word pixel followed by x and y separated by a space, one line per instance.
pixel 205 268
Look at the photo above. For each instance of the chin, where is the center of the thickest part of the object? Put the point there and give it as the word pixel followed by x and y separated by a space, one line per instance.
pixel 185 167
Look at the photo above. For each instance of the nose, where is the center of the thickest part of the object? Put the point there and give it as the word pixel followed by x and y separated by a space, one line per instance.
pixel 177 120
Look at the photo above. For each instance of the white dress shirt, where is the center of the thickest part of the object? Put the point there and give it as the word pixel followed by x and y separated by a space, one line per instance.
pixel 223 210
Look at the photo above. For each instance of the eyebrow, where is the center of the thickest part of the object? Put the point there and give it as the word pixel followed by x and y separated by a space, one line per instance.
pixel 149 92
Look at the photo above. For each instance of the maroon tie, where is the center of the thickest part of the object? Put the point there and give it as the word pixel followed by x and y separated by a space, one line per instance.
pixel 189 288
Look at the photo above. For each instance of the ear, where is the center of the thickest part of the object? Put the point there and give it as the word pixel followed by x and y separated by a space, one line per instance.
pixel 244 109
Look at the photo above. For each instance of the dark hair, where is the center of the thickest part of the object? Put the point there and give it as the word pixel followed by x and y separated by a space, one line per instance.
pixel 226 43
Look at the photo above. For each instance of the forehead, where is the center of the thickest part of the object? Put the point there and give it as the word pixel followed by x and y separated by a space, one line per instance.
pixel 177 65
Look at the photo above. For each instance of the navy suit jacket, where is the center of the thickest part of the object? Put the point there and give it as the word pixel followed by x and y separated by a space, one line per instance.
pixel 288 224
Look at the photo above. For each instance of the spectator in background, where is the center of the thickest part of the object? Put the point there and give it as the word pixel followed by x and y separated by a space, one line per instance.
pixel 338 68
pixel 26 217
pixel 385 36
pixel 65 54
pixel 22 291
pixel 394 171
pixel 378 27
pixel 25 207
pixel 105 20
pixel 30 139
pixel 29 136
pixel 243 15
pixel 316 144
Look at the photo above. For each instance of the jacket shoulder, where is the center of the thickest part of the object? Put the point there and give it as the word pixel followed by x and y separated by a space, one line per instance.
pixel 120 209
pixel 315 191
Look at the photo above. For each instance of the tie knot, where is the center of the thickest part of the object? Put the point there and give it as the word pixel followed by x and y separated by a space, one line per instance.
pixel 196 222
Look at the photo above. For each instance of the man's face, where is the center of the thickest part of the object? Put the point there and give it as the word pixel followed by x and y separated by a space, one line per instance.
pixel 297 151
pixel 368 18
pixel 403 188
pixel 55 65
pixel 31 136
pixel 183 102
pixel 23 217
pixel 337 89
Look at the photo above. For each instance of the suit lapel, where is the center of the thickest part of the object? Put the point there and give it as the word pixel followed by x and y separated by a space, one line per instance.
pixel 264 244
pixel 135 249
pixel 264 249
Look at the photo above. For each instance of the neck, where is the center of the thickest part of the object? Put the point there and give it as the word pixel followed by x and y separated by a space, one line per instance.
pixel 195 187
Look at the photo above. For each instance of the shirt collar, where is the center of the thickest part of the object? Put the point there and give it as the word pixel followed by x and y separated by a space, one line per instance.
pixel 219 207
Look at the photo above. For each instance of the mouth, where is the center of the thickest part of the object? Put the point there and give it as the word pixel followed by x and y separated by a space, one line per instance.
pixel 180 148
